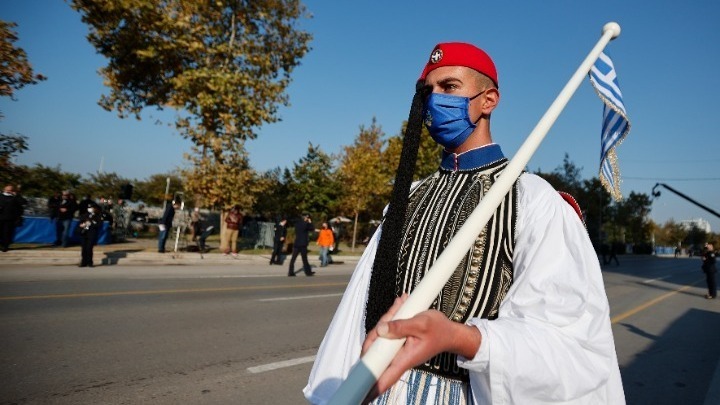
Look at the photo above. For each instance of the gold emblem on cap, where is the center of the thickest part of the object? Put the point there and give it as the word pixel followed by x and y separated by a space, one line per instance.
pixel 436 55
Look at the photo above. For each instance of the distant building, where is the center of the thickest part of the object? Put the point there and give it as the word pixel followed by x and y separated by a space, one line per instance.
pixel 699 223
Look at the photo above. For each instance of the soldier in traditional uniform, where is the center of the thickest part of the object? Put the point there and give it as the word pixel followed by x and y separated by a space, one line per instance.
pixel 523 319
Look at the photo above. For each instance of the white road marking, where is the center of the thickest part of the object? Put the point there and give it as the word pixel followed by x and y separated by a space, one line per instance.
pixel 300 298
pixel 655 279
pixel 280 364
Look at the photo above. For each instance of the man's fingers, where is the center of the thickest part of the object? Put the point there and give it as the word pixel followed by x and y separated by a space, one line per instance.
pixel 369 339
pixel 388 330
pixel 387 317
pixel 394 308
pixel 389 377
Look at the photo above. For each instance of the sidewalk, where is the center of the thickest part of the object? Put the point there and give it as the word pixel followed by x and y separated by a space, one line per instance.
pixel 133 252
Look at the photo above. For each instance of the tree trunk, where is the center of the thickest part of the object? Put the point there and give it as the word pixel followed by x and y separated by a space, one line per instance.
pixel 354 231
pixel 223 228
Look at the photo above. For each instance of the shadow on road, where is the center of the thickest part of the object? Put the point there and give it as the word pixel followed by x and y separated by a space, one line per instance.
pixel 672 370
pixel 112 258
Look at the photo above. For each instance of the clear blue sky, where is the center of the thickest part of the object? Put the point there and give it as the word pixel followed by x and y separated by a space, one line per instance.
pixel 365 59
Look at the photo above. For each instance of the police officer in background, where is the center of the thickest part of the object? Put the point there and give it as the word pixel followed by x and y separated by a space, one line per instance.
pixel 85 203
pixel 89 224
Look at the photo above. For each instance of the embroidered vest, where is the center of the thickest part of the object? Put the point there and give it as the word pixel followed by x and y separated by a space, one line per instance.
pixel 438 207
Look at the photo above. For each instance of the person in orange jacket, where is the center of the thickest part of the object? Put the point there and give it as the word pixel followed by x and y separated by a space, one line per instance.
pixel 325 241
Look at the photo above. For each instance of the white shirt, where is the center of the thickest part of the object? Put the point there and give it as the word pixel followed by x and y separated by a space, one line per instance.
pixel 552 342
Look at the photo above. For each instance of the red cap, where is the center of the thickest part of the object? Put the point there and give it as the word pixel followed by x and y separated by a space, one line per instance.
pixel 460 54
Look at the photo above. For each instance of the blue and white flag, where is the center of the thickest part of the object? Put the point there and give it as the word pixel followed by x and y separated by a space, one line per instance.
pixel 615 122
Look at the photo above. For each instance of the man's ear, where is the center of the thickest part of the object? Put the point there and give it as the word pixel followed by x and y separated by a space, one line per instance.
pixel 490 101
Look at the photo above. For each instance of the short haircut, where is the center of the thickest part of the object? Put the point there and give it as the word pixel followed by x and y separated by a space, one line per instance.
pixel 483 82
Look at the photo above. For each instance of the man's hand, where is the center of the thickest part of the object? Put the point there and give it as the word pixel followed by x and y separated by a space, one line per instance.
pixel 427 334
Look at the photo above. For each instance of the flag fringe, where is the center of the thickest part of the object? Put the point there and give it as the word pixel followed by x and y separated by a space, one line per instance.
pixel 612 187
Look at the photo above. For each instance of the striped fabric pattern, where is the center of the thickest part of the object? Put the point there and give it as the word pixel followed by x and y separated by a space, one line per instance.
pixel 438 207
pixel 615 124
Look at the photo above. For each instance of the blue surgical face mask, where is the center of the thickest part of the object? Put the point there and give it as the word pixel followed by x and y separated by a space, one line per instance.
pixel 448 120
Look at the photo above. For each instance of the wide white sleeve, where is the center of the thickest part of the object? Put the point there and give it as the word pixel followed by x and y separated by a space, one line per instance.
pixel 552 341
pixel 340 348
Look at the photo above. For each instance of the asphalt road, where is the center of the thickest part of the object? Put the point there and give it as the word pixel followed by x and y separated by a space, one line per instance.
pixel 247 334
pixel 666 332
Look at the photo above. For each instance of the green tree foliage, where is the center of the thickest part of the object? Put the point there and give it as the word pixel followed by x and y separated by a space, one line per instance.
pixel 45 181
pixel 312 186
pixel 565 178
pixel 696 238
pixel 10 146
pixel 221 184
pixel 223 65
pixel 362 172
pixel 272 197
pixel 623 221
pixel 363 175
pixel 106 185
pixel 226 64
pixel 15 73
pixel 635 211
pixel 671 233
pixel 592 197
pixel 595 202
pixel 429 154
pixel 15 69
pixel 629 221
pixel 151 191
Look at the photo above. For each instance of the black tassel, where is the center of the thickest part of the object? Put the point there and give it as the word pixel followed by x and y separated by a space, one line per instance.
pixel 382 283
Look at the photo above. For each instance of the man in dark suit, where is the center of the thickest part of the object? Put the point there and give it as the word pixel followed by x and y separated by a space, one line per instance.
pixel 165 224
pixel 66 212
pixel 303 227
pixel 53 206
pixel 708 267
pixel 278 241
pixel 11 209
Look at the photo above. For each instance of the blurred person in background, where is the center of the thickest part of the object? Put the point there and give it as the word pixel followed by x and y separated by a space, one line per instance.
pixel 279 241
pixel 325 241
pixel 65 213
pixel 233 223
pixel 11 210
pixel 165 224
pixel 89 224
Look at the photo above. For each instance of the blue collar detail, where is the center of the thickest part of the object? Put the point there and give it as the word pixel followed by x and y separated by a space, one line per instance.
pixel 472 159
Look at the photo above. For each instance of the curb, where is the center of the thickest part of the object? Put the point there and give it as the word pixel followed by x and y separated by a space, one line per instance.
pixel 56 257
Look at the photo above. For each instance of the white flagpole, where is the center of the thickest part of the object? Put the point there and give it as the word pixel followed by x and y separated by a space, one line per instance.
pixel 378 357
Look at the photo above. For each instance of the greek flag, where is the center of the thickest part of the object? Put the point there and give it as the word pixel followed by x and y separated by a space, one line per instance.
pixel 615 122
